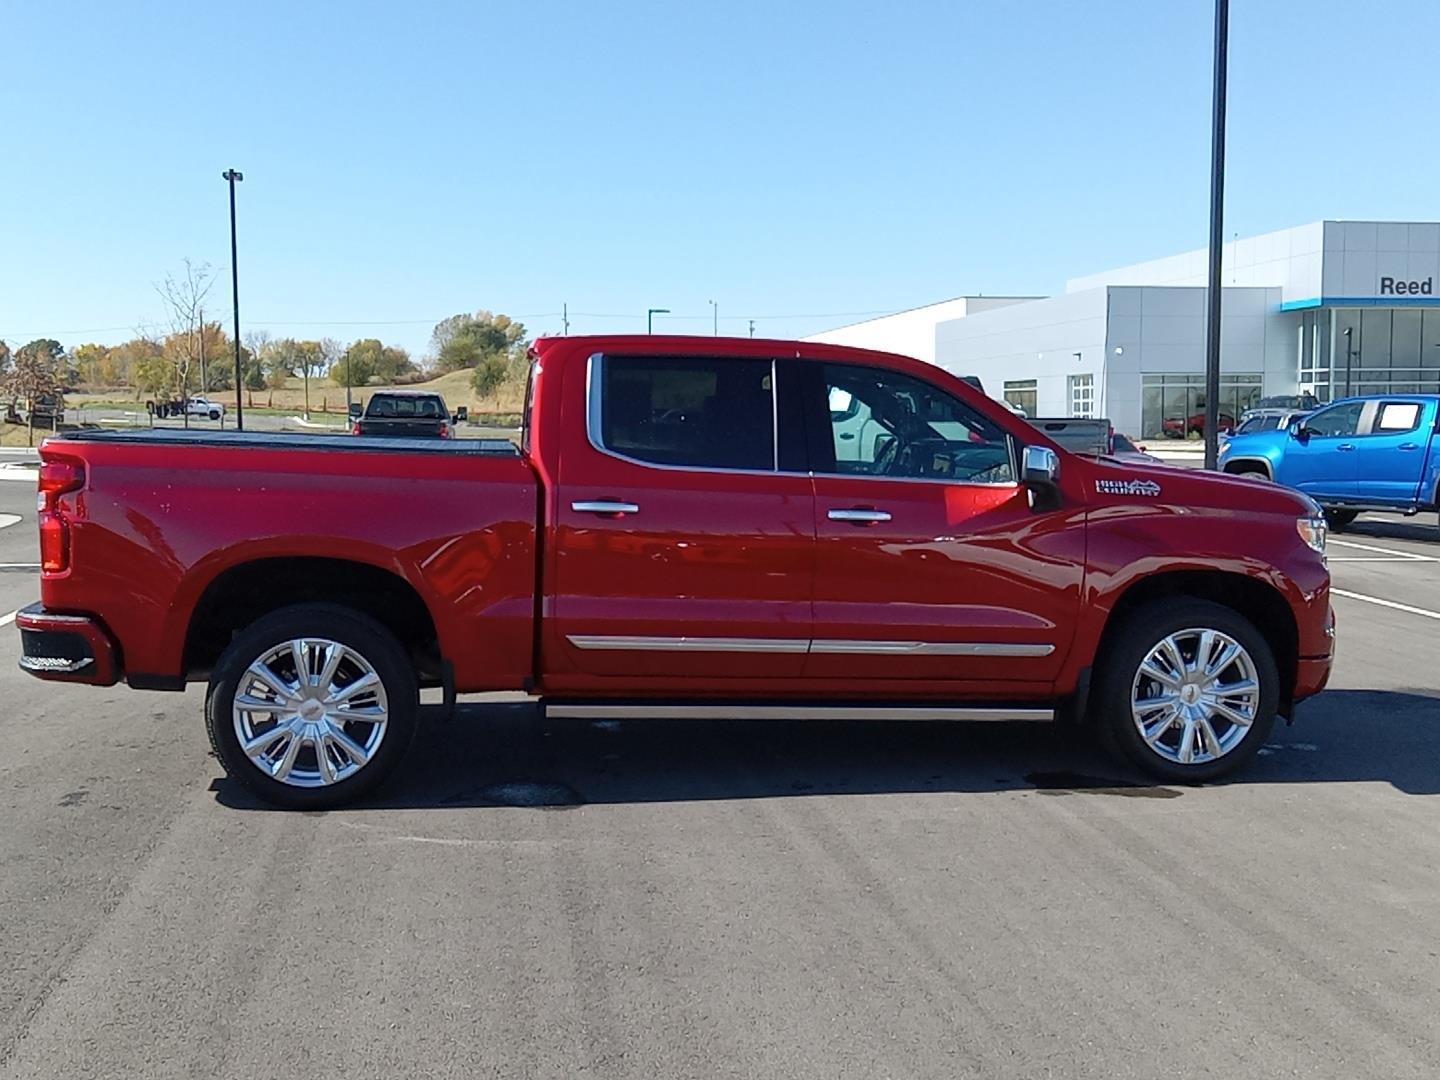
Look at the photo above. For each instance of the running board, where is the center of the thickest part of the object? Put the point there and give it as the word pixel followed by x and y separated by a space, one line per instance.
pixel 608 711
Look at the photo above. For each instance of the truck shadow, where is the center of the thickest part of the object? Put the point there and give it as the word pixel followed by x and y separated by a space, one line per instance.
pixel 505 755
pixel 1394 527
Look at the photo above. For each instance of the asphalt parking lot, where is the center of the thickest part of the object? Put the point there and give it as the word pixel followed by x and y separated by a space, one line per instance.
pixel 751 900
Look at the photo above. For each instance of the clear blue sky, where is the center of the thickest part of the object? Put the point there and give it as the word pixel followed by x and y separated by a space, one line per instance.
pixel 404 162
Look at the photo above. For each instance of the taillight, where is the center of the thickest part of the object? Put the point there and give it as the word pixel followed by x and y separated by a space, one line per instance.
pixel 57 477
pixel 444 430
pixel 355 428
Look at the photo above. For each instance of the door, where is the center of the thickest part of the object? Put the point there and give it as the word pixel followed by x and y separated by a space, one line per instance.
pixel 680 550
pixel 931 565
pixel 1390 457
pixel 1322 462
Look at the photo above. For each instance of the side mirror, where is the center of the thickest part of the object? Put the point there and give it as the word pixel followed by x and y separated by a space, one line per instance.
pixel 1298 430
pixel 356 411
pixel 1040 472
pixel 462 413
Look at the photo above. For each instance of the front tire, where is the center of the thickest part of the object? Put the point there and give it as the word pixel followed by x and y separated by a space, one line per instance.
pixel 312 706
pixel 1340 520
pixel 1187 690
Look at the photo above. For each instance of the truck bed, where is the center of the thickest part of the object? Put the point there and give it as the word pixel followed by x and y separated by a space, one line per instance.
pixel 280 440
pixel 166 515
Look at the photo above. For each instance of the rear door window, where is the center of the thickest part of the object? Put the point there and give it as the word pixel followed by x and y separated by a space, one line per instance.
pixel 1397 416
pixel 697 412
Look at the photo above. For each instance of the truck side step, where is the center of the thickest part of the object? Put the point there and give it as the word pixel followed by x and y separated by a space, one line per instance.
pixel 779 711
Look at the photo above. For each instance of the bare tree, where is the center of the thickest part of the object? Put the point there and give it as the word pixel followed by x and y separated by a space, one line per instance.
pixel 185 297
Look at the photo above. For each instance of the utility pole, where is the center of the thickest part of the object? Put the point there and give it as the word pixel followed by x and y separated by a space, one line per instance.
pixel 752 327
pixel 233 178
pixel 565 320
pixel 1217 238
pixel 715 318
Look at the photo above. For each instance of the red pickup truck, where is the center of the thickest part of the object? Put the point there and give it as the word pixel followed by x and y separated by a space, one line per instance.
pixel 685 530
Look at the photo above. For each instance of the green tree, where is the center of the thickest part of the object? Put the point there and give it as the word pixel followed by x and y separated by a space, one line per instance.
pixel 287 357
pixel 369 359
pixel 90 363
pixel 490 374
pixel 462 341
pixel 153 375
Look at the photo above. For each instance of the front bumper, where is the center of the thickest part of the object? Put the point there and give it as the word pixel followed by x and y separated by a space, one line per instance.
pixel 66 648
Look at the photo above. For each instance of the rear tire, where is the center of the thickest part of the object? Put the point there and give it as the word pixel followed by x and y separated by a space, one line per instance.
pixel 311 707
pixel 1197 716
pixel 1254 474
pixel 214 414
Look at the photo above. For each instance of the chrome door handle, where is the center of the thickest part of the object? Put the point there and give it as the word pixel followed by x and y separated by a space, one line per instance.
pixel 860 515
pixel 604 506
pixel 1409 446
pixel 1345 446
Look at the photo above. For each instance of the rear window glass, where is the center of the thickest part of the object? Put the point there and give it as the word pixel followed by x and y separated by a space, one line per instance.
pixel 405 408
pixel 1398 416
pixel 701 412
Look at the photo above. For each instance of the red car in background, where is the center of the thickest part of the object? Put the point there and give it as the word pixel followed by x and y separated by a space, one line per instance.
pixel 1178 427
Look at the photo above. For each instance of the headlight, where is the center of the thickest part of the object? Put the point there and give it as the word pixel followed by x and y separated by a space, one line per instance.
pixel 1313 531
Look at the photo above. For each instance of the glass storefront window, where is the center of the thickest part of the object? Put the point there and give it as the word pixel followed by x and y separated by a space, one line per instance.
pixel 1405 338
pixel 1430 338
pixel 1173 406
pixel 1022 394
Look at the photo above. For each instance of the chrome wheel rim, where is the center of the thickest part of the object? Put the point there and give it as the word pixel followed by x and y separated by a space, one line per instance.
pixel 1195 696
pixel 310 712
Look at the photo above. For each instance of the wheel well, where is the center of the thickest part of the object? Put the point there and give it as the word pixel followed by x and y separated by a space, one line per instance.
pixel 251 590
pixel 1249 465
pixel 1260 603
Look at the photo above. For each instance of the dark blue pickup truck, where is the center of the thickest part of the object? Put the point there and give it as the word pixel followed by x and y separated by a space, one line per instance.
pixel 1365 453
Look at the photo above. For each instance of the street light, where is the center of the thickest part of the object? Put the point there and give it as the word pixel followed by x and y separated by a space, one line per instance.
pixel 715 318
pixel 1217 238
pixel 234 177
pixel 650 317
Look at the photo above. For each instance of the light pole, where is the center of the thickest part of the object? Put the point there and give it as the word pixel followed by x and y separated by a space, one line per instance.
pixel 235 177
pixel 1217 238
pixel 650 317
pixel 714 318
pixel 1349 356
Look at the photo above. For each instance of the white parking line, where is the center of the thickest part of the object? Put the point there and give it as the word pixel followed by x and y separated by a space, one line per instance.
pixel 6 520
pixel 6 620
pixel 19 566
pixel 1374 558
pixel 1385 603
pixel 1393 552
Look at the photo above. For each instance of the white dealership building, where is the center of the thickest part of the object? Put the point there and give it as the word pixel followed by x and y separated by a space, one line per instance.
pixel 1330 309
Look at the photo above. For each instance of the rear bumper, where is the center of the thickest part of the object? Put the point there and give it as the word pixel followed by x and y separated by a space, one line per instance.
pixel 66 648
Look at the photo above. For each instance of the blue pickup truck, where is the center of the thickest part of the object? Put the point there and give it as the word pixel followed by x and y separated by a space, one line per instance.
pixel 1363 453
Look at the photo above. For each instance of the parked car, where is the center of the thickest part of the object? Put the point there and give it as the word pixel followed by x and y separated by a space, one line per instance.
pixel 677 535
pixel 1123 448
pixel 47 410
pixel 1366 453
pixel 205 408
pixel 1180 427
pixel 404 414
pixel 1267 420
pixel 1305 402
pixel 1079 435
